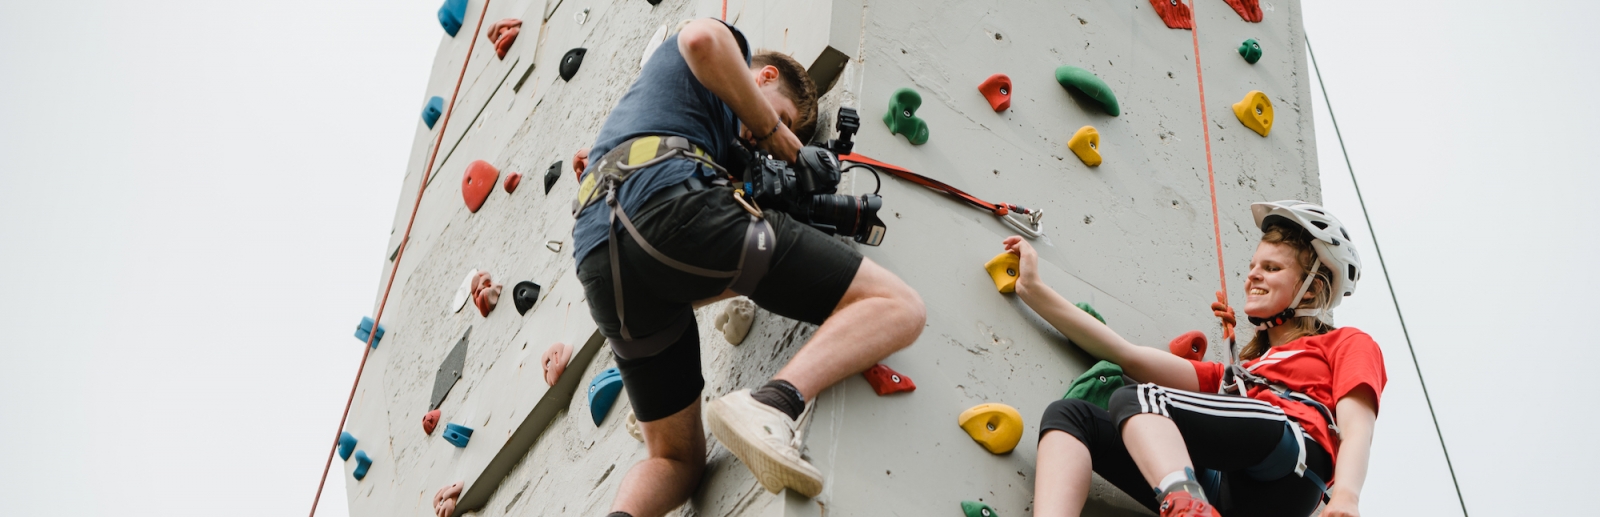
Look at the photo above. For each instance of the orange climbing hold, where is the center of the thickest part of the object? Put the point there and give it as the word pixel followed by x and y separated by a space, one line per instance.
pixel 512 180
pixel 996 427
pixel 1086 144
pixel 997 88
pixel 503 33
pixel 485 293
pixel 554 361
pixel 885 380
pixel 1174 13
pixel 430 421
pixel 1255 112
pixel 1250 10
pixel 1191 345
pixel 1003 269
pixel 477 182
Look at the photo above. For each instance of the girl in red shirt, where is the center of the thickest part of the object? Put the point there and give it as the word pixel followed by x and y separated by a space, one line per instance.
pixel 1189 415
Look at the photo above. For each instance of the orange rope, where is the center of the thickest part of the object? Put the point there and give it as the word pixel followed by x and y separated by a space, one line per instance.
pixel 404 240
pixel 1211 175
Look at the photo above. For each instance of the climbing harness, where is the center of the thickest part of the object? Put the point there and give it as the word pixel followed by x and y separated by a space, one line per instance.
pixel 608 176
pixel 1022 219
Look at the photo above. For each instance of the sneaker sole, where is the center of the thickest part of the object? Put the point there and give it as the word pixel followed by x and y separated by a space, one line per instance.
pixel 773 474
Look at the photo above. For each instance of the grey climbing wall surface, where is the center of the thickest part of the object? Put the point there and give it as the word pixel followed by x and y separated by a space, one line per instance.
pixel 1134 237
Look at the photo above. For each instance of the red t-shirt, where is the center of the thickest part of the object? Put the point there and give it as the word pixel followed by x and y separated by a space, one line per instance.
pixel 1325 368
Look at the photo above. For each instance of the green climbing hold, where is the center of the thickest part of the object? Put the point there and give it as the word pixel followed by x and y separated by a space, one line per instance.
pixel 977 509
pixel 1090 309
pixel 1250 50
pixel 1096 384
pixel 1084 81
pixel 902 116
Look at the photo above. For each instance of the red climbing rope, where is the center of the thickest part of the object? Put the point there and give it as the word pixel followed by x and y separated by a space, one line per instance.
pixel 1211 175
pixel 999 209
pixel 400 253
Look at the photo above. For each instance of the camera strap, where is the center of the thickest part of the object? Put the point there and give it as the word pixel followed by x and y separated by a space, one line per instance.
pixel 755 256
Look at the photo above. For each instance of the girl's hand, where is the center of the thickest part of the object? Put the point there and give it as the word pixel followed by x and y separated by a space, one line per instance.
pixel 1342 504
pixel 1028 270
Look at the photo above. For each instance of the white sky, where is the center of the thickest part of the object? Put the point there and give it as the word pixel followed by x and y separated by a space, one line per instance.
pixel 195 199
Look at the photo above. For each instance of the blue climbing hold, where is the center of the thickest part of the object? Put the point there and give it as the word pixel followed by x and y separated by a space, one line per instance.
pixel 364 330
pixel 451 14
pixel 432 112
pixel 457 434
pixel 603 392
pixel 362 464
pixel 347 443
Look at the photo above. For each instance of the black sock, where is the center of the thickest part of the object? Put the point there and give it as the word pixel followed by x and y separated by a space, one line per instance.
pixel 781 395
pixel 619 514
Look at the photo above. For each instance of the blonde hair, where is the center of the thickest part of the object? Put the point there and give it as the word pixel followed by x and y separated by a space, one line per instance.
pixel 1299 242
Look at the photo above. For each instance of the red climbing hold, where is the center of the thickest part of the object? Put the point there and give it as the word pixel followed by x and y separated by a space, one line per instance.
pixel 580 161
pixel 997 88
pixel 485 293
pixel 503 33
pixel 1191 345
pixel 885 381
pixel 477 182
pixel 512 180
pixel 1250 10
pixel 429 421
pixel 1174 13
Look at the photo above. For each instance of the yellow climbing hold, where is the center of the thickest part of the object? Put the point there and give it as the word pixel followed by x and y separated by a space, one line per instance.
pixel 1004 269
pixel 996 427
pixel 1255 112
pixel 1086 144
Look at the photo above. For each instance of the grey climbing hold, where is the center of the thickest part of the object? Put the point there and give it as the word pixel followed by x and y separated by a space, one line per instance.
pixel 449 371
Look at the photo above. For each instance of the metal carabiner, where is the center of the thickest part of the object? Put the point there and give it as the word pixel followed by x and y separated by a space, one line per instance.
pixel 1028 223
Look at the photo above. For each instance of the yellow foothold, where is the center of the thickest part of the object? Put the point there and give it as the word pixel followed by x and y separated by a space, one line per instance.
pixel 1004 269
pixel 1086 144
pixel 1255 112
pixel 996 427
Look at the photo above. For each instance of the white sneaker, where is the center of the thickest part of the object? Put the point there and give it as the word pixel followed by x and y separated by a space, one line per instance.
pixel 766 440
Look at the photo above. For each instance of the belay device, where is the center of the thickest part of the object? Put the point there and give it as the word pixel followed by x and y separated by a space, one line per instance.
pixel 807 189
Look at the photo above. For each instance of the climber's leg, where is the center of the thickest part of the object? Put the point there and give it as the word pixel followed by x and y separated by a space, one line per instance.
pixel 878 315
pixel 673 471
pixel 1076 436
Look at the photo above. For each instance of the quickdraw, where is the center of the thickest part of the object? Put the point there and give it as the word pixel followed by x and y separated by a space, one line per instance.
pixel 1024 220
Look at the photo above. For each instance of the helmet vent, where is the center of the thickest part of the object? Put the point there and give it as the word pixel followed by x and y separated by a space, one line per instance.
pixel 1352 274
pixel 1320 225
pixel 1345 233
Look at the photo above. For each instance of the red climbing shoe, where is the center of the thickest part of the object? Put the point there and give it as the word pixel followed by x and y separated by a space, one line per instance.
pixel 1183 504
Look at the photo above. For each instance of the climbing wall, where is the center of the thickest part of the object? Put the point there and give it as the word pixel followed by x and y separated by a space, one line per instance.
pixel 1134 236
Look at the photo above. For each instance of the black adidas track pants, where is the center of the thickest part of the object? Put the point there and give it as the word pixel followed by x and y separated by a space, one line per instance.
pixel 1223 433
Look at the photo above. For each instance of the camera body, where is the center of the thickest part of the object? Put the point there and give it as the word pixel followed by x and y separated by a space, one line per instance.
pixel 807 189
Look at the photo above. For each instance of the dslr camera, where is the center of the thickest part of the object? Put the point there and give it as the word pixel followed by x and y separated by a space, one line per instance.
pixel 807 189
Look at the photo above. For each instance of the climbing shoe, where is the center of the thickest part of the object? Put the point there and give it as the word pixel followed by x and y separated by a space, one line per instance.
pixel 1179 503
pixel 766 440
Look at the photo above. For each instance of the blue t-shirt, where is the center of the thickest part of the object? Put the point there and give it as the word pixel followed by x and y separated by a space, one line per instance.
pixel 667 99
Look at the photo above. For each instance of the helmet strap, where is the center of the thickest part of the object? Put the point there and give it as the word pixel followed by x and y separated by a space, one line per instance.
pixel 1290 311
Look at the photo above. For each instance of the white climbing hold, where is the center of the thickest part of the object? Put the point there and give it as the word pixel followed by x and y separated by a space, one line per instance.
pixel 655 43
pixel 735 320
pixel 463 293
pixel 633 427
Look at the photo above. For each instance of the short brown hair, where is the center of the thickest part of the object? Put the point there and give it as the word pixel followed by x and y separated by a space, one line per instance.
pixel 797 86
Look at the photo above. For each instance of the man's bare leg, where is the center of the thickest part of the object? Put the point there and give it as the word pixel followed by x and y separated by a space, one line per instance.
pixel 878 315
pixel 677 461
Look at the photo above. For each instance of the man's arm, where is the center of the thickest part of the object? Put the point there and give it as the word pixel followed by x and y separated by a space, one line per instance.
pixel 715 59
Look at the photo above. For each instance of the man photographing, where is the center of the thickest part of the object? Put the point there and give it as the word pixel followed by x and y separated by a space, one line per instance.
pixel 660 232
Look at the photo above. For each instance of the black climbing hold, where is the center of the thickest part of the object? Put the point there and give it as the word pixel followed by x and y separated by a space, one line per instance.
pixel 571 62
pixel 551 176
pixel 654 2
pixel 449 371
pixel 524 295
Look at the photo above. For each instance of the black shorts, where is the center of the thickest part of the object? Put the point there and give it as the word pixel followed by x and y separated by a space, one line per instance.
pixel 1223 433
pixel 809 274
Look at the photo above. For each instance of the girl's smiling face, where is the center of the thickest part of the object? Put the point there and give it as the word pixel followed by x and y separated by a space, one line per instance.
pixel 1275 275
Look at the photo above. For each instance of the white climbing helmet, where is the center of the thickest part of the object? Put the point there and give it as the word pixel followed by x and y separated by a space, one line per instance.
pixel 1328 238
